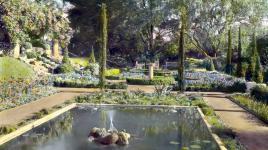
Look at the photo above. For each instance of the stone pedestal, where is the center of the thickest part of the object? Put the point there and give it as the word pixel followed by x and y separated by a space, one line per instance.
pixel 16 50
pixel 56 52
pixel 151 71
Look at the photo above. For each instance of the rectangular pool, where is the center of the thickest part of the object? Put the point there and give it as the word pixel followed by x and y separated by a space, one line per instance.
pixel 151 128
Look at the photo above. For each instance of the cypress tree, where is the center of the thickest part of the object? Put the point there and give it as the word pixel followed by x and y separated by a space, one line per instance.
pixel 239 70
pixel 181 52
pixel 252 63
pixel 229 68
pixel 92 56
pixel 103 37
pixel 258 71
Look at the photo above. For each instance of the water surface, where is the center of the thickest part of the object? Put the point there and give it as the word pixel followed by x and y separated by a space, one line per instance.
pixel 151 129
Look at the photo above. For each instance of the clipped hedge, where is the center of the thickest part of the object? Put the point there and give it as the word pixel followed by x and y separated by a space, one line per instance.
pixel 260 93
pixel 114 78
pixel 112 72
pixel 236 87
pixel 83 84
pixel 156 81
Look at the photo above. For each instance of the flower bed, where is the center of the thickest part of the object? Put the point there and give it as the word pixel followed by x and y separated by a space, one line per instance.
pixel 257 108
pixel 21 91
pixel 212 81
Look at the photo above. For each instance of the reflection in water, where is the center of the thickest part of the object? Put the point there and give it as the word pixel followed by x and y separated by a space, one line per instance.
pixel 150 129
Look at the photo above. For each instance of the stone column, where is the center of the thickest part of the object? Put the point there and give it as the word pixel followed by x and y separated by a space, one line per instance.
pixel 16 50
pixel 151 71
pixel 56 52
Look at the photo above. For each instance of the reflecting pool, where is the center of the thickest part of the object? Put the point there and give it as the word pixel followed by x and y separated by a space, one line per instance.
pixel 150 129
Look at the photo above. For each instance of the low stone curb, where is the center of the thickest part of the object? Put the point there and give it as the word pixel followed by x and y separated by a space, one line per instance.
pixel 28 127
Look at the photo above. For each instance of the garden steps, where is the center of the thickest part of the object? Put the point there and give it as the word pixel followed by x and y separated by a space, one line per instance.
pixel 251 132
pixel 18 114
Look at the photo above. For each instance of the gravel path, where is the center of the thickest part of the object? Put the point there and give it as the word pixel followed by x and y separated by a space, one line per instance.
pixel 252 133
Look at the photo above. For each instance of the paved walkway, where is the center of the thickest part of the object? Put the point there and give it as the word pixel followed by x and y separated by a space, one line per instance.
pixel 252 133
pixel 18 114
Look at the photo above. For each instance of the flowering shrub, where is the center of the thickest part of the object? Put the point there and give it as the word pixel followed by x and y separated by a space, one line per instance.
pixel 213 81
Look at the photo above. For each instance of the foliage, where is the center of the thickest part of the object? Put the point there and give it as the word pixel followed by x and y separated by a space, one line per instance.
pixel 229 67
pixel 104 40
pixel 87 84
pixel 260 93
pixel 92 56
pixel 265 76
pixel 7 129
pixel 21 25
pixel 260 109
pixel 239 70
pixel 112 72
pixel 15 92
pixel 82 61
pixel 64 68
pixel 157 80
pixel 258 75
pixel 251 69
pixel 93 69
pixel 11 68
pixel 133 98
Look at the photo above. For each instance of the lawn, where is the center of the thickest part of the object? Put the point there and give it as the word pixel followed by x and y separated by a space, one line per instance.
pixel 13 68
pixel 82 61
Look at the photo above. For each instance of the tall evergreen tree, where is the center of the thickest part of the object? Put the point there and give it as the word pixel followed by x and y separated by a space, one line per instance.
pixel 252 63
pixel 181 52
pixel 103 38
pixel 239 70
pixel 229 68
pixel 258 71
pixel 92 56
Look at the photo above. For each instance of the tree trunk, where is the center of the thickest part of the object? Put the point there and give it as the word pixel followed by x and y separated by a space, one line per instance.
pixel 181 83
pixel 239 63
pixel 229 54
pixel 103 36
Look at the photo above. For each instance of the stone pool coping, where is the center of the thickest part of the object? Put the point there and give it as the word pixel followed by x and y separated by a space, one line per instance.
pixel 6 138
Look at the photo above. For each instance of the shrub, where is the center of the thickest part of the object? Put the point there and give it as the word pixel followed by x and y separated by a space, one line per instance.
pixel 31 55
pixel 208 64
pixel 64 68
pixel 7 129
pixel 260 93
pixel 93 69
pixel 112 72
pixel 236 87
pixel 92 57
pixel 258 71
pixel 265 78
pixel 115 78
pixel 27 45
pixel 87 84
pixel 156 81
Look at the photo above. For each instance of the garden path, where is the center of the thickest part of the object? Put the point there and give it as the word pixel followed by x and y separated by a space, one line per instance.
pixel 18 114
pixel 252 133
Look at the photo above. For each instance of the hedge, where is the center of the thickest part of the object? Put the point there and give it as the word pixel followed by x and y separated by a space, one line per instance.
pixel 260 93
pixel 155 81
pixel 75 84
